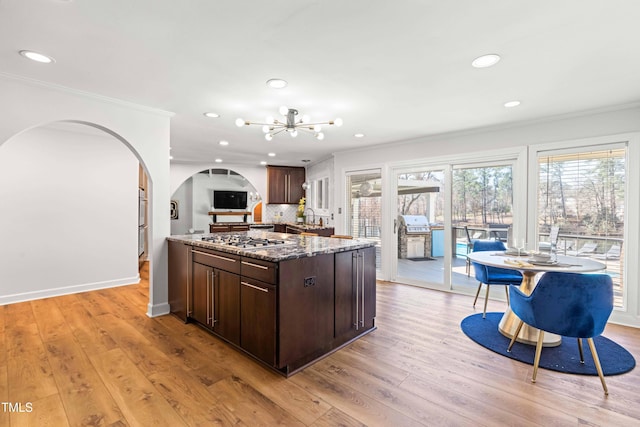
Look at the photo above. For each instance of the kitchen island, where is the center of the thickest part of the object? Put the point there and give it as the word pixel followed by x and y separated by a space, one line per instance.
pixel 286 300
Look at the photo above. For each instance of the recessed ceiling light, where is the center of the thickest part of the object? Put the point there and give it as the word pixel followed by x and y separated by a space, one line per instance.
pixel 218 160
pixel 212 115
pixel 511 104
pixel 38 57
pixel 271 154
pixel 485 61
pixel 276 83
pixel 224 142
pixel 359 135
pixel 263 163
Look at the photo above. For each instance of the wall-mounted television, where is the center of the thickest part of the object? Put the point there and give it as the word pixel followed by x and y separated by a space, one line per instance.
pixel 229 199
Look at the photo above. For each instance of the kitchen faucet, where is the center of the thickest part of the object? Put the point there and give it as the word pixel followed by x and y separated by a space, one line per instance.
pixel 314 215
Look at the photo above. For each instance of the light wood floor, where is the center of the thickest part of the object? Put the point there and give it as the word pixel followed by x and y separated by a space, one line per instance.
pixel 97 359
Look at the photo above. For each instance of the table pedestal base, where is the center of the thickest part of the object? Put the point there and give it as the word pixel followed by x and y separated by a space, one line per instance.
pixel 527 335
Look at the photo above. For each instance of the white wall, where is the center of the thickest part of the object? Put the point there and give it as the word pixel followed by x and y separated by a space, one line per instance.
pixel 27 104
pixel 66 213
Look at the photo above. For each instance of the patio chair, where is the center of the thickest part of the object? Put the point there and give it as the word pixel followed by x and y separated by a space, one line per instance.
pixel 612 253
pixel 586 250
pixel 470 241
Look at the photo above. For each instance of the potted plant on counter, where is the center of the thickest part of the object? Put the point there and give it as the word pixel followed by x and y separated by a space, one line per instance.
pixel 300 211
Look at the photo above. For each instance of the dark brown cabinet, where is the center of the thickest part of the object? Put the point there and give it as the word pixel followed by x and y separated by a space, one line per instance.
pixel 286 314
pixel 284 184
pixel 305 318
pixel 355 292
pixel 215 290
pixel 216 301
pixel 258 319
pixel 179 264
pixel 226 228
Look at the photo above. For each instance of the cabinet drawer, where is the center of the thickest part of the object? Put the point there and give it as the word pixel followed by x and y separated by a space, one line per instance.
pixel 239 227
pixel 264 271
pixel 215 259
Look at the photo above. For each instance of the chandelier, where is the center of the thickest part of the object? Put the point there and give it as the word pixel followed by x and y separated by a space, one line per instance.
pixel 272 126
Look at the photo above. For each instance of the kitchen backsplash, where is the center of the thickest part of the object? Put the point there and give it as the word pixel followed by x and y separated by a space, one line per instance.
pixel 285 213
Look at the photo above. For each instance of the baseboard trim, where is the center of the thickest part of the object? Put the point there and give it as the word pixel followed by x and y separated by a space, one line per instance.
pixel 158 309
pixel 67 290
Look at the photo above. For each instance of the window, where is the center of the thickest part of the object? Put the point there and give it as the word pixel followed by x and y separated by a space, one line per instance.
pixel 582 191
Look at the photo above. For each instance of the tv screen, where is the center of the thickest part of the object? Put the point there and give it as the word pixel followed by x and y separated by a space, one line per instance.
pixel 229 199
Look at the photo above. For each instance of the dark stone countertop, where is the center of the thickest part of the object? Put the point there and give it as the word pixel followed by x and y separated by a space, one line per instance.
pixel 296 246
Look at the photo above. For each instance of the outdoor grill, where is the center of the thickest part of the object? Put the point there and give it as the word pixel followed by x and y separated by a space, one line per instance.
pixel 414 236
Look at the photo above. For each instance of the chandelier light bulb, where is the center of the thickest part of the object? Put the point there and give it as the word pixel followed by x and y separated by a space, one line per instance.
pixel 320 136
pixel 239 122
pixel 338 122
pixel 283 110
pixel 265 129
pixel 268 137
pixel 294 133
pixel 317 128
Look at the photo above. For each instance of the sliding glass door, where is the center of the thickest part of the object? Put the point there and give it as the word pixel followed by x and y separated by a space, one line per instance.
pixel 364 216
pixel 419 226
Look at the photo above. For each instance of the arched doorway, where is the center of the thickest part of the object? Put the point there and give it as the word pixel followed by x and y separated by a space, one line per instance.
pixel 70 196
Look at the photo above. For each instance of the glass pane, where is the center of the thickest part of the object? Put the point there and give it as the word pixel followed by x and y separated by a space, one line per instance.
pixel 420 230
pixel 583 193
pixel 365 213
pixel 319 194
pixel 482 208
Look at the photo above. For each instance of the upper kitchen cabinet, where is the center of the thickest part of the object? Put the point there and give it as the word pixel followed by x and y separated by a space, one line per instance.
pixel 284 184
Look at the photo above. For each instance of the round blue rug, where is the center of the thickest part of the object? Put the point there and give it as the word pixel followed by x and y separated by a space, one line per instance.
pixel 614 358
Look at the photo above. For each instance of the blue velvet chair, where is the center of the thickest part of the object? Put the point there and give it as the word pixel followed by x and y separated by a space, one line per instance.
pixel 568 304
pixel 492 275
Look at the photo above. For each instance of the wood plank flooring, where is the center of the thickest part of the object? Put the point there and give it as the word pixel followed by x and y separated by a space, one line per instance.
pixel 96 359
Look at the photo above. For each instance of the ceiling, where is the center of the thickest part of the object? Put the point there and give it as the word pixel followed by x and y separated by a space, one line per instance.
pixel 393 70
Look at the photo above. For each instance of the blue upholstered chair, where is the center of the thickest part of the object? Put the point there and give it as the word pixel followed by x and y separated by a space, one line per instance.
pixel 492 275
pixel 567 304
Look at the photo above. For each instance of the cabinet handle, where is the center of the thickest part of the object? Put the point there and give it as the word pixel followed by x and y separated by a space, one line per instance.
pixel 189 284
pixel 255 287
pixel 362 292
pixel 255 265
pixel 208 298
pixel 213 298
pixel 214 256
pixel 354 260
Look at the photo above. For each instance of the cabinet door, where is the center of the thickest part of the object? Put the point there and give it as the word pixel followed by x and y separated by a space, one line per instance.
pixel 226 305
pixel 345 291
pixel 279 228
pixel 277 185
pixel 355 278
pixel 368 303
pixel 305 310
pixel 258 319
pixel 296 179
pixel 202 286
pixel 179 264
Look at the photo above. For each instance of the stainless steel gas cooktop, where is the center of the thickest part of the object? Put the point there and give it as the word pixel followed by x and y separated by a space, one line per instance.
pixel 244 242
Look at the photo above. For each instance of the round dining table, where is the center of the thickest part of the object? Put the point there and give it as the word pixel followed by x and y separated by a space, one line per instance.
pixel 529 269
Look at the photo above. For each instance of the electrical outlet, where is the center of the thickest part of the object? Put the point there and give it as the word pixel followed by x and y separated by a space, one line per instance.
pixel 309 281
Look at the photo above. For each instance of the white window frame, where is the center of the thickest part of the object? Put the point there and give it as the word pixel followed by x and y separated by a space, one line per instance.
pixel 629 313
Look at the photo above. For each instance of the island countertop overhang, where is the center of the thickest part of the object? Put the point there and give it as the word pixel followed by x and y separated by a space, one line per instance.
pixel 296 246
